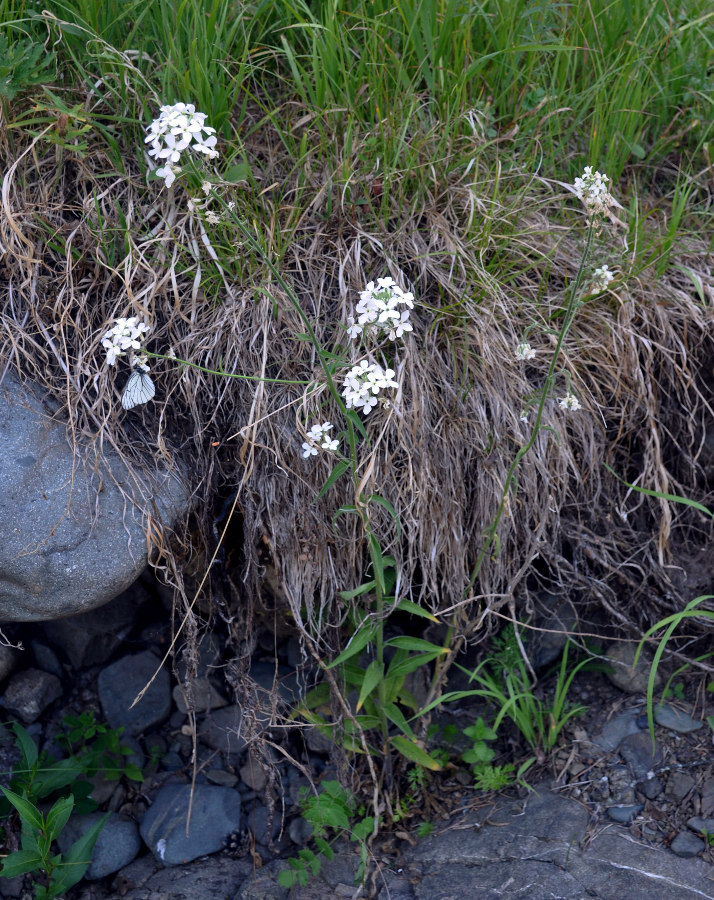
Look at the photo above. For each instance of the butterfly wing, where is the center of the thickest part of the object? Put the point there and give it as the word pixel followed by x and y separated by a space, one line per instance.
pixel 139 389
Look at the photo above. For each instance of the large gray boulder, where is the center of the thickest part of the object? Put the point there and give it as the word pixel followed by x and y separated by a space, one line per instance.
pixel 70 539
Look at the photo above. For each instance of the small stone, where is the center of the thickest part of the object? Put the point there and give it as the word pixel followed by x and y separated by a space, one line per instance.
pixel 687 845
pixel 698 824
pixel 9 658
pixel 215 813
pixel 624 814
pixel 316 741
pixel 708 797
pixel 221 777
pixel 636 750
pixel 119 684
pixel 300 831
pixel 30 692
pixel 117 845
pixel 679 785
pixel 616 730
pixel 675 719
pixel 624 674
pixel 651 788
pixel 204 696
pixel 252 774
pixel 221 730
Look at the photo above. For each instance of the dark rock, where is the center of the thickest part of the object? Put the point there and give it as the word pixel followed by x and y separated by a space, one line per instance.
pixel 636 750
pixel 624 674
pixel 117 845
pixel 707 796
pixel 675 719
pixel 90 638
pixel 215 813
pixel 617 729
pixel 119 684
pixel 679 784
pixel 46 659
pixel 202 697
pixel 30 692
pixel 686 845
pixel 221 730
pixel 9 660
pixel 624 814
pixel 651 788
pixel 215 878
pixel 545 646
pixel 71 541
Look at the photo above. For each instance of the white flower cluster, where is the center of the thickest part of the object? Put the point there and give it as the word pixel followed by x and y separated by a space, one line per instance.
pixel 571 402
pixel 363 383
pixel 317 438
pixel 378 310
pixel 127 334
pixel 602 276
pixel 525 351
pixel 592 189
pixel 179 127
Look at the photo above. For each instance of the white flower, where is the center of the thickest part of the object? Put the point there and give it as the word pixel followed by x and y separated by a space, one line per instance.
pixel 212 218
pixel 206 187
pixel 179 128
pixel 309 450
pixel 602 276
pixel 363 383
pixel 571 402
pixel 592 189
pixel 378 311
pixel 525 351
pixel 127 334
pixel 331 445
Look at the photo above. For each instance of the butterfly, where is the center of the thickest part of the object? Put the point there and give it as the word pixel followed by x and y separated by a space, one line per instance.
pixel 139 389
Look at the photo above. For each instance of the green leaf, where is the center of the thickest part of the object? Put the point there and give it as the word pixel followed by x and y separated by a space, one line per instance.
pixel 77 859
pixel 133 772
pixel 357 423
pixel 385 504
pixel 57 776
pixel 237 173
pixel 675 498
pixel 57 817
pixel 325 812
pixel 363 637
pixel 414 753
pixel 412 643
pixel 402 667
pixel 362 830
pixel 365 588
pixel 340 469
pixel 343 511
pixel 20 862
pixel 29 813
pixel 416 610
pixel 395 715
pixel 27 746
pixel 372 676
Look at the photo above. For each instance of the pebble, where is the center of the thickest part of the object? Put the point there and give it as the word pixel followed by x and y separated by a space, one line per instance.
pixel 675 719
pixel 30 692
pixel 679 785
pixel 686 845
pixel 624 674
pixel 117 845
pixel 651 788
pixel 636 750
pixel 616 730
pixel 215 813
pixel 221 730
pixel 698 824
pixel 252 774
pixel 707 794
pixel 204 696
pixel 221 777
pixel 119 684
pixel 624 814
pixel 9 658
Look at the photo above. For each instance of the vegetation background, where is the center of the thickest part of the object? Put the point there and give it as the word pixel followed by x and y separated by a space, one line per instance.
pixel 432 141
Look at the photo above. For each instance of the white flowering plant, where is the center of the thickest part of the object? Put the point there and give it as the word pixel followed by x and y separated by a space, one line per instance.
pixel 363 384
pixel 601 278
pixel 592 189
pixel 126 335
pixel 178 128
pixel 379 311
pixel 316 439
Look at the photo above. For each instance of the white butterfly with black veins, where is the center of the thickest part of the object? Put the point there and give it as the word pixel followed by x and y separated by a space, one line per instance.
pixel 139 389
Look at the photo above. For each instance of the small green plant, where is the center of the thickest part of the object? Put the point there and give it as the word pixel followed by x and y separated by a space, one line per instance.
pixel 333 810
pixel 708 837
pixel 38 780
pixel 23 64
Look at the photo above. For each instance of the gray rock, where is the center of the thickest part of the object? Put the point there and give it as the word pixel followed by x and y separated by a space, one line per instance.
pixel 263 884
pixel 215 813
pixel 545 646
pixel 203 696
pixel 222 730
pixel 617 729
pixel 119 684
pixel 699 824
pixel 30 692
pixel 687 845
pixel 624 814
pixel 679 785
pixel 9 660
pixel 46 658
pixel 216 878
pixel 90 638
pixel 636 750
pixel 707 795
pixel 252 773
pixel 651 788
pixel 624 674
pixel 117 845
pixel 71 541
pixel 675 719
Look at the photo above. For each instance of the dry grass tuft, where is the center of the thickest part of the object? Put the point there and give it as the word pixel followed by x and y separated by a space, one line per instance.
pixel 640 358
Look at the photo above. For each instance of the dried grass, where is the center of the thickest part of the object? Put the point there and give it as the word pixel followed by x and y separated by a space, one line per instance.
pixel 640 358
